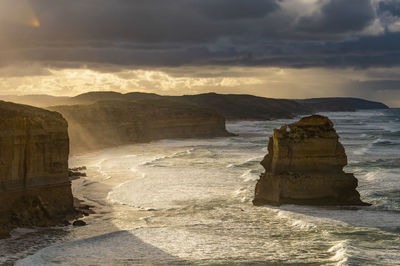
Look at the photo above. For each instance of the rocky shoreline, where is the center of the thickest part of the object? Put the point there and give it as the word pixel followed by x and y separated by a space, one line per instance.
pixel 35 181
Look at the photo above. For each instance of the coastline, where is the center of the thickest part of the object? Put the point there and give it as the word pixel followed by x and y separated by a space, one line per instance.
pixel 94 189
pixel 99 215
pixel 218 176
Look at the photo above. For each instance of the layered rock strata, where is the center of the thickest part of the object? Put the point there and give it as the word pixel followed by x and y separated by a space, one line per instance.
pixel 110 123
pixel 34 186
pixel 304 165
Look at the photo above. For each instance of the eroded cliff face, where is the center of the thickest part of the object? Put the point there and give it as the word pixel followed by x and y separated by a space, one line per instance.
pixel 34 185
pixel 304 165
pixel 111 123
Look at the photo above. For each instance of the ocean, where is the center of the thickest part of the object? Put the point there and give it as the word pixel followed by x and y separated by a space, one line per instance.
pixel 189 202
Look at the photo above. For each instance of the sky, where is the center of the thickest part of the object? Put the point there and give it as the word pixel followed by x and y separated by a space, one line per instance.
pixel 270 48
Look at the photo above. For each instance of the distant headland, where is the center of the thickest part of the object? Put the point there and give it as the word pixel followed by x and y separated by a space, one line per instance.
pixel 105 119
pixel 231 106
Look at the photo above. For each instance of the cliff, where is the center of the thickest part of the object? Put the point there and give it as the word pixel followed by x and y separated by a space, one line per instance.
pixel 110 123
pixel 304 165
pixel 246 107
pixel 34 185
pixel 231 106
pixel 335 104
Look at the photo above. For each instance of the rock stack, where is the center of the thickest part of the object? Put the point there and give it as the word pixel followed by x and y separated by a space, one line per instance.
pixel 304 166
pixel 34 186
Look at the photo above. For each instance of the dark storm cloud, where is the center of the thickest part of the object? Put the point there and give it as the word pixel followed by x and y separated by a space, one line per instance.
pixel 387 91
pixel 377 85
pixel 147 21
pixel 339 17
pixel 391 6
pixel 235 9
pixel 199 32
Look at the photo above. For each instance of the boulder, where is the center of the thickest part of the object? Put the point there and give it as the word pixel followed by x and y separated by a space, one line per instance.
pixel 304 166
pixel 79 223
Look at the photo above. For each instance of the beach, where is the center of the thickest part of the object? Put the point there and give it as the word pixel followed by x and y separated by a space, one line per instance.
pixel 188 201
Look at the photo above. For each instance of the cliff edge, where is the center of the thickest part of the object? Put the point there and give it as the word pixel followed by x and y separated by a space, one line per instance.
pixel 231 106
pixel 111 123
pixel 304 166
pixel 34 185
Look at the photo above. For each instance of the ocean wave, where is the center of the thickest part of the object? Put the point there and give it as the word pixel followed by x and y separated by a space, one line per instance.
pixel 384 142
pixel 366 148
pixel 303 225
pixel 100 169
pixel 340 218
pixel 395 194
pixel 349 252
pixel 295 220
pixel 389 163
pixel 129 156
pixel 136 171
pixel 362 151
pixel 157 159
pixel 391 127
pixel 250 175
pixel 340 250
pixel 240 191
pixel 393 133
pixel 247 163
pixel 387 200
pixel 372 176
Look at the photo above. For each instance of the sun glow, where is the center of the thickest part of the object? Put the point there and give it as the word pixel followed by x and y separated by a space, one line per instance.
pixel 19 12
pixel 35 22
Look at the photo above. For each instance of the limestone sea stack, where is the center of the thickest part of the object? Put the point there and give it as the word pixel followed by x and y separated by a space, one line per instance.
pixel 34 185
pixel 304 166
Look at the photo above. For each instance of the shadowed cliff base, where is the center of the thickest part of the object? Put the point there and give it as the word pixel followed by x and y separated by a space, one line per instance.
pixel 304 166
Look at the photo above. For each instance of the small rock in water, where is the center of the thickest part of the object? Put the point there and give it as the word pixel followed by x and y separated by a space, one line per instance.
pixel 79 223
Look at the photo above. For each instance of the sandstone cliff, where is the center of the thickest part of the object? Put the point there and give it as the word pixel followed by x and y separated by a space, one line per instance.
pixel 304 165
pixel 111 123
pixel 340 104
pixel 34 185
pixel 231 106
